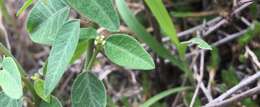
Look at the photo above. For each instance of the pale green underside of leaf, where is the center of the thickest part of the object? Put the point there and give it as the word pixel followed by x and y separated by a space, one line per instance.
pixel 6 101
pixel 143 35
pixel 54 102
pixel 88 91
pixel 39 88
pixel 200 42
pixel 61 53
pixel 46 19
pixel 99 11
pixel 127 52
pixel 162 95
pixel 10 79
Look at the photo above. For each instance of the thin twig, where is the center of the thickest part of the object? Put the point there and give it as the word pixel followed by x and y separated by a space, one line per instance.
pixel 202 86
pixel 194 96
pixel 219 20
pixel 242 84
pixel 3 31
pixel 214 27
pixel 253 57
pixel 199 78
pixel 236 98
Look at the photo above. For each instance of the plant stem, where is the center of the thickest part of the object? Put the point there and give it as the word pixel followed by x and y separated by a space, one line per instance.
pixel 91 56
pixel 92 60
pixel 26 81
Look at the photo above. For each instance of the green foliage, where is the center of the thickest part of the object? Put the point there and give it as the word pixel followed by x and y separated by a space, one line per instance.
pixel 54 102
pixel 49 24
pixel 39 88
pixel 88 91
pixel 127 52
pixel 99 11
pixel 215 58
pixel 229 77
pixel 46 19
pixel 110 102
pixel 6 101
pixel 61 53
pixel 24 7
pixel 166 24
pixel 143 35
pixel 252 32
pixel 10 78
pixel 86 34
pixel 163 18
pixel 200 42
pixel 162 95
pixel 249 103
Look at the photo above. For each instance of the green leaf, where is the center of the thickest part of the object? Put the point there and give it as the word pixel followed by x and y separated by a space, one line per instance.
pixel 127 52
pixel 251 33
pixel 39 88
pixel 200 42
pixel 46 19
pixel 230 77
pixel 61 53
pixel 6 101
pixel 247 102
pixel 86 34
pixel 88 91
pixel 146 37
pixel 162 95
pixel 54 102
pixel 10 79
pixel 99 11
pixel 81 48
pixel 164 19
pixel 24 7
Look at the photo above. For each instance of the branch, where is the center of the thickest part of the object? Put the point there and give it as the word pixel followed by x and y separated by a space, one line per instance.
pixel 242 84
pixel 236 98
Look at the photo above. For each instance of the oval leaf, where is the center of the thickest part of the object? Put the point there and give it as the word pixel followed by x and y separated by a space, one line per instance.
pixel 54 102
pixel 141 33
pixel 200 42
pixel 46 19
pixel 127 52
pixel 88 91
pixel 61 53
pixel 6 101
pixel 10 79
pixel 99 11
